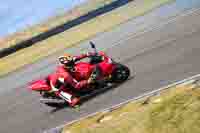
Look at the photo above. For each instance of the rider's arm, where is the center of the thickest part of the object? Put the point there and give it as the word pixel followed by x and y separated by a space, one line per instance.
pixel 77 58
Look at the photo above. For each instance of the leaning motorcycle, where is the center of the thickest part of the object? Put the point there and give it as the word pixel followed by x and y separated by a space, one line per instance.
pixel 112 73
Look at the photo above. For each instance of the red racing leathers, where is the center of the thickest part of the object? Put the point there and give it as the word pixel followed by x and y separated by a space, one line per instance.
pixel 63 76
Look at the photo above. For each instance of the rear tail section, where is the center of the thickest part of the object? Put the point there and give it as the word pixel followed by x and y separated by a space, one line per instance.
pixel 39 85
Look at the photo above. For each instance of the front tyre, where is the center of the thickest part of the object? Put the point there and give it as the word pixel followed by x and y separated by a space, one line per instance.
pixel 121 73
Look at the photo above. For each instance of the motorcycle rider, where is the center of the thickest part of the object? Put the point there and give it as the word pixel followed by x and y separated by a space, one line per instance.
pixel 64 74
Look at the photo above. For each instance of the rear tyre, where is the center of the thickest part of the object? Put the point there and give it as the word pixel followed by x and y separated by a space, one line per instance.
pixel 121 73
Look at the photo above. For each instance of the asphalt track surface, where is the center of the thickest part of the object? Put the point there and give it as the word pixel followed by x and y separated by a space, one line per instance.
pixel 161 55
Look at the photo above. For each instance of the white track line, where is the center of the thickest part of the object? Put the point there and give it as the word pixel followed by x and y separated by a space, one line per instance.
pixel 153 28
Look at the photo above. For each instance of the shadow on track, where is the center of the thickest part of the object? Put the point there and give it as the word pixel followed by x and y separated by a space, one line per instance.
pixel 85 98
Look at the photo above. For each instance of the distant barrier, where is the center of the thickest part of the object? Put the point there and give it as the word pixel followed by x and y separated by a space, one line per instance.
pixel 61 28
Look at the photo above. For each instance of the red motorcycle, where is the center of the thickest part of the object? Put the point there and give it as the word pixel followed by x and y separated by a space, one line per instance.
pixel 112 73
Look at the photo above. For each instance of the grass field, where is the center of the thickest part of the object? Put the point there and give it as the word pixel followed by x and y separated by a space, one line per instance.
pixel 175 110
pixel 77 34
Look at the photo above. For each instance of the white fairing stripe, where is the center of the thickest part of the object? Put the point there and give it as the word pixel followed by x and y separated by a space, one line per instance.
pixel 66 96
pixel 52 87
pixel 75 80
pixel 110 60
pixel 61 80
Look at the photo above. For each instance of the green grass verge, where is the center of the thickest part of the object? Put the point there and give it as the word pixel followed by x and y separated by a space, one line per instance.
pixel 175 110
pixel 77 34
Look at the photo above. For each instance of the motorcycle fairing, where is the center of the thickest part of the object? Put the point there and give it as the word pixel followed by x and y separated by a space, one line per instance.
pixel 39 85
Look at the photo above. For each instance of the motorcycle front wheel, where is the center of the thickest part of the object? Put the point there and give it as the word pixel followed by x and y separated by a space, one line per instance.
pixel 121 73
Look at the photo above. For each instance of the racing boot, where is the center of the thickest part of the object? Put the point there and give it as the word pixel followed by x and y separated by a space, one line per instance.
pixel 75 101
